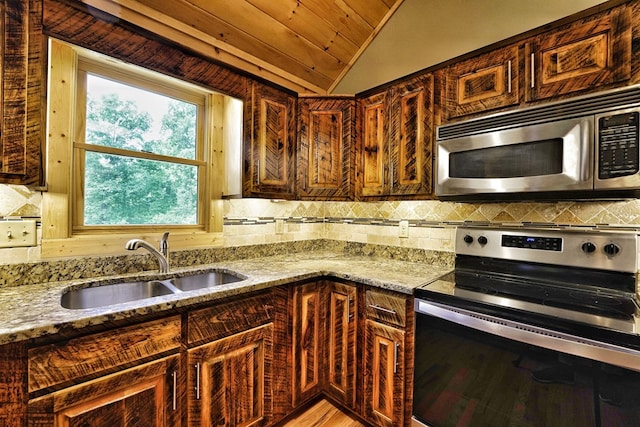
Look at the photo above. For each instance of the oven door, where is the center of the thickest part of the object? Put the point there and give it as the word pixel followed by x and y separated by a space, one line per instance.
pixel 546 157
pixel 472 369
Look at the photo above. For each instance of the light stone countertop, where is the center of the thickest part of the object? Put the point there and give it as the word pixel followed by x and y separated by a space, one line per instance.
pixel 33 311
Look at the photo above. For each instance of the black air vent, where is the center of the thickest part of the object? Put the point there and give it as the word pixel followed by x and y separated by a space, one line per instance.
pixel 574 107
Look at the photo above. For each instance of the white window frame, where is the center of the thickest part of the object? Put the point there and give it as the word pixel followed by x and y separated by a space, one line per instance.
pixel 63 234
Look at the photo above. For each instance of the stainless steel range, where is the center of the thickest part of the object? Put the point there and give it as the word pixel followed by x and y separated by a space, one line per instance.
pixel 534 327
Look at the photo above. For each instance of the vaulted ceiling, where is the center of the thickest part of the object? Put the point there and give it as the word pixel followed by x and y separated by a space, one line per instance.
pixel 306 45
pixel 343 46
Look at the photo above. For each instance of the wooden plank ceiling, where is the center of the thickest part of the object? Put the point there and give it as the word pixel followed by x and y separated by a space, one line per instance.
pixel 304 45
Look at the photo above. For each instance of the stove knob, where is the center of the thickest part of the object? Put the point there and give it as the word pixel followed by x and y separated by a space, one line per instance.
pixel 468 239
pixel 588 248
pixel 611 249
pixel 482 240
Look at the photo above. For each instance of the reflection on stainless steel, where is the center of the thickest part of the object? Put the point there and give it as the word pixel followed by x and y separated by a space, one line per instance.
pixel 542 337
pixel 534 319
pixel 622 325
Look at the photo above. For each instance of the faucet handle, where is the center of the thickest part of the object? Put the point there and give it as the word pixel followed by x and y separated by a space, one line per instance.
pixel 164 244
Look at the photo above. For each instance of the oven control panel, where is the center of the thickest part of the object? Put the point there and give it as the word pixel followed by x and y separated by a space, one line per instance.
pixel 532 242
pixel 607 250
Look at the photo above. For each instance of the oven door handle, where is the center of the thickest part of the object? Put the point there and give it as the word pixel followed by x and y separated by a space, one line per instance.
pixel 534 335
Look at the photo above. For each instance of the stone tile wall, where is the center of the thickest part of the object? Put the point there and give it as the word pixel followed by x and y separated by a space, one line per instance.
pixel 253 221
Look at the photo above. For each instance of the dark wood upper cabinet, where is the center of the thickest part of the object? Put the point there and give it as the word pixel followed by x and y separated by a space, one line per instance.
pixel 411 132
pixel 395 140
pixel 373 143
pixel 22 50
pixel 586 55
pixel 482 83
pixel 270 132
pixel 325 156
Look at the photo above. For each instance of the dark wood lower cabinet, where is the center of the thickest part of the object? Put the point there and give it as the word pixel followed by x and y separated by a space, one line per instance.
pixel 144 396
pixel 244 361
pixel 384 374
pixel 229 380
pixel 365 357
pixel 340 342
pixel 308 333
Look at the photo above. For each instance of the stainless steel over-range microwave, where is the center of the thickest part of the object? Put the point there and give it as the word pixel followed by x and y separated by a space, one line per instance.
pixel 584 147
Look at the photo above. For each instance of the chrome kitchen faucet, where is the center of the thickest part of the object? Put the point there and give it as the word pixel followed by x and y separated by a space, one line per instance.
pixel 162 255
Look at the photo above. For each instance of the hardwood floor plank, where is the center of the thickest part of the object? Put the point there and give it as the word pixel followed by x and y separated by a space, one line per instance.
pixel 323 414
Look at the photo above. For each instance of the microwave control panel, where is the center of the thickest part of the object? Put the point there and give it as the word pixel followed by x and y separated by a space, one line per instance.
pixel 618 145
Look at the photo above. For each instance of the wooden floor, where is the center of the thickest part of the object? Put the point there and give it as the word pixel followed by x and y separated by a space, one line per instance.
pixel 323 414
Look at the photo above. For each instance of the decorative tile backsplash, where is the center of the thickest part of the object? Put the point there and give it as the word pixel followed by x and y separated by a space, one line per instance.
pixel 432 223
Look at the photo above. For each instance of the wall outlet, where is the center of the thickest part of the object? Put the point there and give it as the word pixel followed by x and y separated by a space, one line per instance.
pixel 279 226
pixel 14 233
pixel 403 229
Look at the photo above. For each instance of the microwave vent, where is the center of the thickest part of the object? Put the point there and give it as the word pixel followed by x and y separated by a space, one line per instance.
pixel 616 99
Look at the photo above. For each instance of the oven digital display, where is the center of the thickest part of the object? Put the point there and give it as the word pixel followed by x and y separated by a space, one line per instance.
pixel 531 242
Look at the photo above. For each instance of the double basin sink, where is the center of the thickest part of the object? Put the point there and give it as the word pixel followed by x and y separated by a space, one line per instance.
pixel 105 295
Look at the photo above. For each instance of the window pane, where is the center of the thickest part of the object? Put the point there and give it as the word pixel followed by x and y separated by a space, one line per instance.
pixel 127 117
pixel 125 190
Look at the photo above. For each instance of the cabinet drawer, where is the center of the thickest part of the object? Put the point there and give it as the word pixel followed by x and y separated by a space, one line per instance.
pixel 229 318
pixel 385 307
pixel 86 357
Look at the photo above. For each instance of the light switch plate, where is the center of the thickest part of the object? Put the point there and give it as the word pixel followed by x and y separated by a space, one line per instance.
pixel 14 233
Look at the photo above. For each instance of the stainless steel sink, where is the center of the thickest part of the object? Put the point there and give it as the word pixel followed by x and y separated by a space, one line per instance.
pixel 205 280
pixel 100 296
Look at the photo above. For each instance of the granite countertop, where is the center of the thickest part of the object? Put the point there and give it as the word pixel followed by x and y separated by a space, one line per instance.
pixel 33 311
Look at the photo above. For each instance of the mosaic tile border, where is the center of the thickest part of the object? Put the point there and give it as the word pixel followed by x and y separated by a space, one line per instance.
pixel 422 223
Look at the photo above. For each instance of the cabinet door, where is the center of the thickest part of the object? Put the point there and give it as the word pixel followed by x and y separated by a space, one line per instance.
pixel 587 55
pixel 325 160
pixel 144 396
pixel 229 380
pixel 21 73
pixel 383 374
pixel 373 150
pixel 411 136
pixel 270 129
pixel 308 336
pixel 340 344
pixel 482 83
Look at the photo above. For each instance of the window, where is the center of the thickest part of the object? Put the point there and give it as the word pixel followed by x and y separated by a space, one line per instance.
pixel 133 153
pixel 139 154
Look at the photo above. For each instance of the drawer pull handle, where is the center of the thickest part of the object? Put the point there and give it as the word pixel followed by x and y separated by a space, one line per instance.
pixel 174 376
pixel 384 310
pixel 197 381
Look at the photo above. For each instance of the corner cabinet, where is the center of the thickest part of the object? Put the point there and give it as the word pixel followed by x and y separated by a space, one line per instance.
pixel 396 134
pixel 270 143
pixel 483 83
pixel 326 130
pixel 22 56
pixel 589 54
pixel 324 341
pixel 340 341
pixel 308 333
